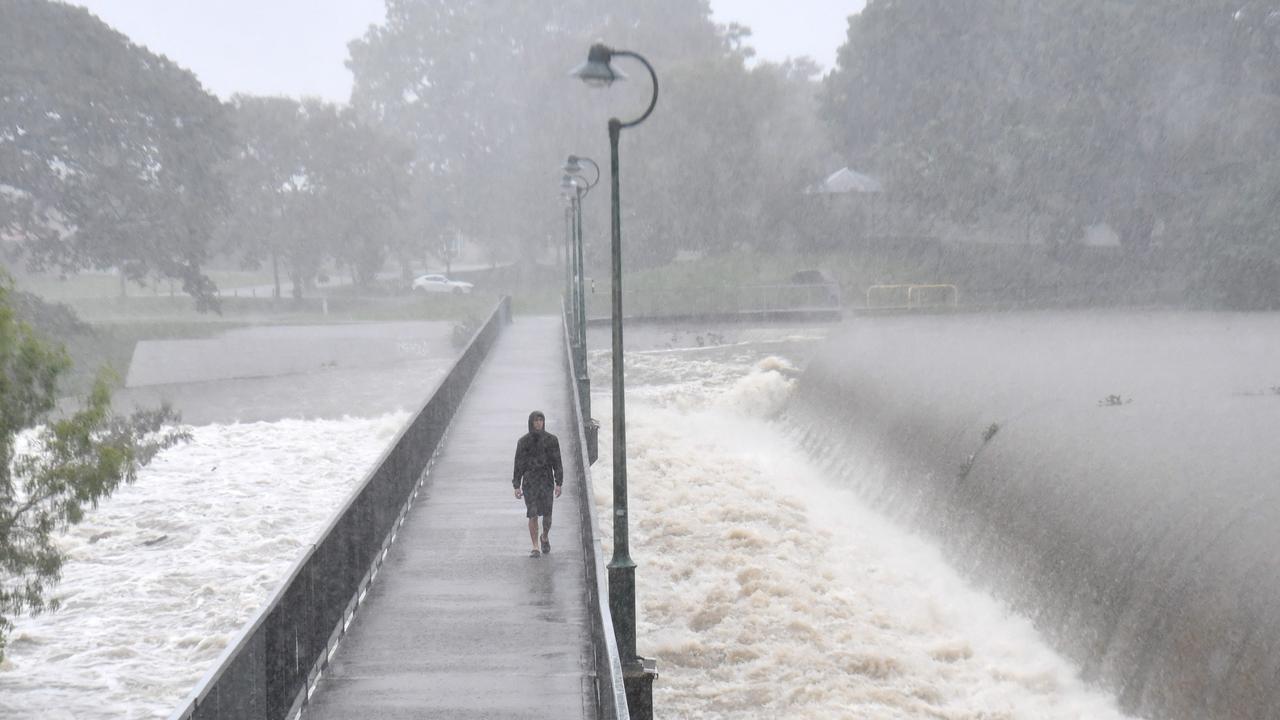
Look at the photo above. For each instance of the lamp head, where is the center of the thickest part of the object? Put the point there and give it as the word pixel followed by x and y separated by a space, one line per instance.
pixel 596 71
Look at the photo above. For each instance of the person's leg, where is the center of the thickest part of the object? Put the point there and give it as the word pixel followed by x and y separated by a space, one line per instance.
pixel 531 512
pixel 546 526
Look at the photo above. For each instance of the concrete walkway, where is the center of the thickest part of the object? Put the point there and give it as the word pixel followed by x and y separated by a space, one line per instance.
pixel 461 623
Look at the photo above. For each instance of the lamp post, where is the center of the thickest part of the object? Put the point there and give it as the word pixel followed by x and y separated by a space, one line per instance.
pixel 582 186
pixel 573 189
pixel 567 192
pixel 638 674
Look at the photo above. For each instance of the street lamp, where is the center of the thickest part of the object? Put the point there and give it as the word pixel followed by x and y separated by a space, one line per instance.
pixel 569 192
pixel 582 187
pixel 572 189
pixel 638 674
pixel 576 187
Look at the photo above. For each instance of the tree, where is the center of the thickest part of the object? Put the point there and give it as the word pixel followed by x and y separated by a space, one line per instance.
pixel 72 461
pixel 311 181
pixel 912 100
pixel 110 154
pixel 481 90
pixel 269 180
pixel 361 175
pixel 1068 113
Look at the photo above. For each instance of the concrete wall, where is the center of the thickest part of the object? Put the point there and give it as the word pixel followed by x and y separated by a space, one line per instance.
pixel 274 350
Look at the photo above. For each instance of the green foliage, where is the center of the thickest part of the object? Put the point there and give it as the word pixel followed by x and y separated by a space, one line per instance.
pixel 50 473
pixel 53 318
pixel 362 178
pixel 1156 118
pixel 480 88
pixel 111 154
pixel 313 182
pixel 271 213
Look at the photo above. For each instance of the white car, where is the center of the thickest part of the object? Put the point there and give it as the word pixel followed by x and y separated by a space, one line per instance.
pixel 440 284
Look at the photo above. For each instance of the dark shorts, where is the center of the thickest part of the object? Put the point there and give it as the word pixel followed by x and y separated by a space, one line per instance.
pixel 537 499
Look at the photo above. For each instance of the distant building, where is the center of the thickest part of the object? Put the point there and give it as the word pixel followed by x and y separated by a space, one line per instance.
pixel 845 180
pixel 844 209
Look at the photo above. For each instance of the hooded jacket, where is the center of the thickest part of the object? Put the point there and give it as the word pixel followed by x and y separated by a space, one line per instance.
pixel 537 457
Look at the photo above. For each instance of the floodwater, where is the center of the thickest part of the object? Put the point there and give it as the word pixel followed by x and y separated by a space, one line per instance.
pixel 766 590
pixel 162 576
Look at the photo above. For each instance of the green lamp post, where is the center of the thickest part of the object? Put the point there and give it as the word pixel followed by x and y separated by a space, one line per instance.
pixel 638 673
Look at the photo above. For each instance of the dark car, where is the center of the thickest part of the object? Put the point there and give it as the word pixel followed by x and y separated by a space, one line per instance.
pixel 828 296
pixel 810 277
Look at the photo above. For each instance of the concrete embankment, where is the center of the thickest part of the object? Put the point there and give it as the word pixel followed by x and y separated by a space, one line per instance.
pixel 272 372
pixel 1116 477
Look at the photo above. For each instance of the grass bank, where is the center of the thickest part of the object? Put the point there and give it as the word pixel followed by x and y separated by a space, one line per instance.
pixel 985 275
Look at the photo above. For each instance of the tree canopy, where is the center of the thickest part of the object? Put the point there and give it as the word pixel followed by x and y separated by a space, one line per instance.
pixel 311 182
pixel 482 90
pixel 109 154
pixel 1148 116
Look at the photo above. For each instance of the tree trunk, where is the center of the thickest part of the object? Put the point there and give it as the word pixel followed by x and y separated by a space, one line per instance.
pixel 406 269
pixel 275 273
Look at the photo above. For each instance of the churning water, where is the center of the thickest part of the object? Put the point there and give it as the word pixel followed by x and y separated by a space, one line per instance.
pixel 764 590
pixel 162 576
pixel 767 592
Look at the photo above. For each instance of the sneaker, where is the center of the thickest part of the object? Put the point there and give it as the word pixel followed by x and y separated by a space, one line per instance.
pixel 546 544
pixel 534 553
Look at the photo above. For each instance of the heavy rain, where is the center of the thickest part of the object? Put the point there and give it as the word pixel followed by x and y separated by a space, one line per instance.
pixel 875 359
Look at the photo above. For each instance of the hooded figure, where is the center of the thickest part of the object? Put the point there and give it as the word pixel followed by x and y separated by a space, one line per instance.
pixel 538 478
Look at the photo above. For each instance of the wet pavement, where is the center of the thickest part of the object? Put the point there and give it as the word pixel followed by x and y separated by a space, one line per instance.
pixel 461 623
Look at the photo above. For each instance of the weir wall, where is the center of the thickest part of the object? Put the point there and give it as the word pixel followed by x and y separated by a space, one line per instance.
pixel 1115 477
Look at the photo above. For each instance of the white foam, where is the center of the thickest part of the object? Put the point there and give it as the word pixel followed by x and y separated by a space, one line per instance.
pixel 764 592
pixel 164 573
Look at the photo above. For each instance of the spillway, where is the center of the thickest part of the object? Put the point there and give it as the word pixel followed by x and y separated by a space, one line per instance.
pixel 767 587
pixel 1112 476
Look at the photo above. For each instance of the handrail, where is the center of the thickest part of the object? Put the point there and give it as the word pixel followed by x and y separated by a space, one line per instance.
pixel 780 301
pixel 950 292
pixel 272 667
pixel 913 294
pixel 611 693
pixel 827 294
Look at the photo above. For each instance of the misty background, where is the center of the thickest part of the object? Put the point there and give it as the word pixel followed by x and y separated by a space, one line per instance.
pixel 1057 153
pixel 1042 155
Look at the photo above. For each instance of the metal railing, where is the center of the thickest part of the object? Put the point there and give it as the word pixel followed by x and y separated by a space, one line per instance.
pixel 271 669
pixel 611 693
pixel 911 297
pixel 724 300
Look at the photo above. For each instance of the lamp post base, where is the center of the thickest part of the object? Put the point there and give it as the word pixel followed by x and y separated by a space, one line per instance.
pixel 638 679
pixel 584 394
pixel 593 441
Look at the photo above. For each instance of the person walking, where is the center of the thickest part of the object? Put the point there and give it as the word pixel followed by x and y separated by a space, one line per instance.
pixel 538 478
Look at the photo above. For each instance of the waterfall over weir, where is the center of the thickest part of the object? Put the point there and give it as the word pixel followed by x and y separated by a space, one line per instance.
pixel 1112 476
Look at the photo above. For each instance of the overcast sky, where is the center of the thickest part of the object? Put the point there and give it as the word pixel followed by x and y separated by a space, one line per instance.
pixel 260 46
